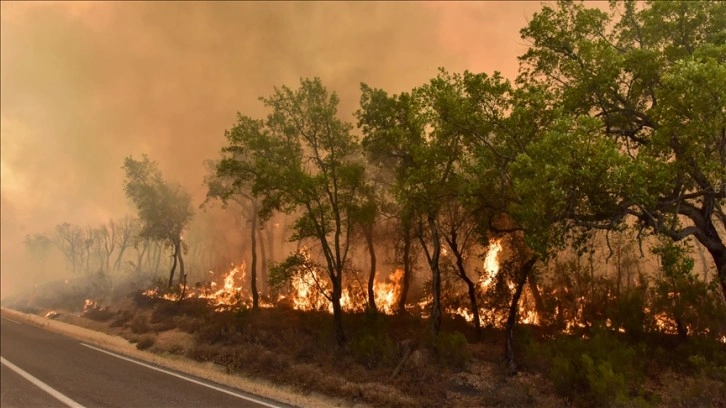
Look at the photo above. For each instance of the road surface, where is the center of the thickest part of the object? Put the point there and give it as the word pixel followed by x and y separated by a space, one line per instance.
pixel 44 369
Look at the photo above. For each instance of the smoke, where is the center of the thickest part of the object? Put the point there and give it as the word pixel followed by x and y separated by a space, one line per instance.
pixel 86 84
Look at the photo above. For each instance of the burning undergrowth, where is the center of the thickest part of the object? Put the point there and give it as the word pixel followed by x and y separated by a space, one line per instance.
pixel 300 284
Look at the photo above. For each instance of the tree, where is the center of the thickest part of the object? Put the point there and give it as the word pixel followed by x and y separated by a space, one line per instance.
pixel 40 247
pixel 365 213
pixel 107 239
pixel 459 232
pixel 495 123
pixel 126 228
pixel 220 185
pixel 644 88
pixel 302 159
pixel 409 133
pixel 164 209
pixel 69 240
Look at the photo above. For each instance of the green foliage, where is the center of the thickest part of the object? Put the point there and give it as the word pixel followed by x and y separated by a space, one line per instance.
pixel 373 350
pixel 281 273
pixel 452 349
pixel 301 159
pixel 640 92
pixel 601 370
pixel 301 267
pixel 164 209
pixel 694 306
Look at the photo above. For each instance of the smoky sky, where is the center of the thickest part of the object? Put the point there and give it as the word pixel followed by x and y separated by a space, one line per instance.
pixel 84 85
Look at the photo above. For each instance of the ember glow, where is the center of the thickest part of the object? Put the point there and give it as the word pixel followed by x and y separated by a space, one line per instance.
pixel 89 304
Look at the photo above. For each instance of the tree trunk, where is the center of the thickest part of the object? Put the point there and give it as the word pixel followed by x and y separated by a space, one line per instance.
pixel 117 263
pixel 708 236
pixel 368 231
pixel 338 309
pixel 263 255
pixel 433 258
pixel 270 241
pixel 182 274
pixel 513 309
pixel 719 258
pixel 538 303
pixel 157 254
pixel 173 265
pixel 253 273
pixel 407 267
pixel 472 295
pixel 473 304
pixel 140 258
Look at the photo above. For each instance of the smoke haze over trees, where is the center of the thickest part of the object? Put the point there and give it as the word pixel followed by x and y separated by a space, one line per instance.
pixel 87 84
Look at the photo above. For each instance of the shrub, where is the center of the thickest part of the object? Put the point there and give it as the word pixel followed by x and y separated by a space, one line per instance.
pixel 139 325
pixel 122 319
pixel 373 350
pixel 99 314
pixel 452 349
pixel 146 341
pixel 595 369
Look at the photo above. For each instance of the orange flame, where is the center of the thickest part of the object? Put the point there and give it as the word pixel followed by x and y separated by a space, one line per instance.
pixel 312 291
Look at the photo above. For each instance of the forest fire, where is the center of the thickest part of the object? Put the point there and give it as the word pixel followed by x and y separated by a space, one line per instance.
pixel 231 293
pixel 311 292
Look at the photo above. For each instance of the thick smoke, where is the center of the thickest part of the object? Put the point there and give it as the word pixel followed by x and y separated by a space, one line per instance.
pixel 86 84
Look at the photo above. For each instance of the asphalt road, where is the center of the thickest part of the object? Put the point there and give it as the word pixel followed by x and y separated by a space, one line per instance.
pixel 44 369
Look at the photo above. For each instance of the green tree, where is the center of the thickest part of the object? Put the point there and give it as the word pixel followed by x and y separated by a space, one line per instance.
pixel 642 90
pixel 394 129
pixel 221 186
pixel 164 209
pixel 411 135
pixel 302 159
pixel 365 214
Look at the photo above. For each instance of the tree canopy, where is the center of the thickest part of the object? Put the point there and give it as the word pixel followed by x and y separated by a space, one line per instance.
pixel 164 209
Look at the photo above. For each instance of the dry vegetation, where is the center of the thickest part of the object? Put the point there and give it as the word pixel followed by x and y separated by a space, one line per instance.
pixel 296 350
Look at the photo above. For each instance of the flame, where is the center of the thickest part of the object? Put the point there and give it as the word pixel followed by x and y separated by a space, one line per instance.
pixel 388 293
pixel 491 264
pixel 89 304
pixel 486 283
pixel 231 294
pixel 311 291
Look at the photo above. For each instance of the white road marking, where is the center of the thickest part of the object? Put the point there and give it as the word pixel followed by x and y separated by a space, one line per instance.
pixel 40 384
pixel 14 321
pixel 232 393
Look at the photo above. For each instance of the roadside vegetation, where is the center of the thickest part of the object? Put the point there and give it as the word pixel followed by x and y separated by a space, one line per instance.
pixel 556 240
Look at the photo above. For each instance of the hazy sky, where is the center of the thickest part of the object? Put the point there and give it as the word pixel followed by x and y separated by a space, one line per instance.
pixel 85 84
